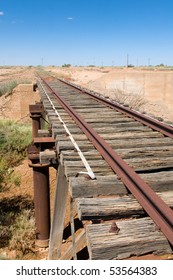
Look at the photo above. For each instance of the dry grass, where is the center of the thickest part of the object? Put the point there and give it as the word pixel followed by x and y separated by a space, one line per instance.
pixel 135 101
pixel 17 225
pixel 23 231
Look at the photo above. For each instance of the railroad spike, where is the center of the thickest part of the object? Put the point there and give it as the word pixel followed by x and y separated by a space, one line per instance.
pixel 114 228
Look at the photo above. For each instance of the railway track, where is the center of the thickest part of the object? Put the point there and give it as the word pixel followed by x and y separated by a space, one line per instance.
pixel 117 166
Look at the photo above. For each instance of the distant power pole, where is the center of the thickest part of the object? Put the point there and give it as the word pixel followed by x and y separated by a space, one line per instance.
pixel 127 60
pixel 42 60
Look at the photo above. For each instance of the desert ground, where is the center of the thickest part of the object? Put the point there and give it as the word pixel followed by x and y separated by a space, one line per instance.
pixel 146 90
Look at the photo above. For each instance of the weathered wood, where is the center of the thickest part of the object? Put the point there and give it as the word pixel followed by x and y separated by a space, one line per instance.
pixel 47 156
pixel 114 126
pixel 74 156
pixel 149 163
pixel 55 118
pixel 57 227
pixel 43 133
pixel 101 167
pixel 114 207
pixel 136 237
pixel 68 145
pixel 100 171
pixel 136 128
pixel 80 243
pixel 164 151
pixel 73 169
pixel 137 143
pixel 108 129
pixel 159 182
pixel 109 120
pixel 108 185
pixel 113 136
pixel 131 153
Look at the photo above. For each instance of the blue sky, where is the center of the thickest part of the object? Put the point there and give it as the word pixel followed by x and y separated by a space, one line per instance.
pixel 85 32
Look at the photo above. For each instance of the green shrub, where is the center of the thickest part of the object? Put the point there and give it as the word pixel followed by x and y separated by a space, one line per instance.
pixel 3 172
pixel 66 65
pixel 14 139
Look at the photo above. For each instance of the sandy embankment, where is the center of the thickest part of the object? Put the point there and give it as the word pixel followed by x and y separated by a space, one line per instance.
pixel 149 91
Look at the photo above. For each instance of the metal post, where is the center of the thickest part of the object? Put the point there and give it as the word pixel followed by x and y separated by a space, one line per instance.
pixel 36 124
pixel 36 112
pixel 41 203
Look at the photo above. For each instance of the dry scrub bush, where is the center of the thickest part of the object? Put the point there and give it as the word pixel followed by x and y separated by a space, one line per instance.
pixel 135 101
pixel 23 232
pixel 7 87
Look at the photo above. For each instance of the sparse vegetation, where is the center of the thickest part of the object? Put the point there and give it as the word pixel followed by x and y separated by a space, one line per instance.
pixel 66 65
pixel 13 142
pixel 17 224
pixel 23 231
pixel 135 101
pixel 7 87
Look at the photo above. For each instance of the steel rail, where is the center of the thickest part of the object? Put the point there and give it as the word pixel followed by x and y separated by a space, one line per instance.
pixel 165 129
pixel 156 208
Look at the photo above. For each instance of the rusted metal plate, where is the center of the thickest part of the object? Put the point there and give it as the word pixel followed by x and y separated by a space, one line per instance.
pixel 36 108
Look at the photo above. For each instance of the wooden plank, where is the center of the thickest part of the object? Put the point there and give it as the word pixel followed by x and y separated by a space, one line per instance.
pixel 80 243
pixel 131 153
pixel 113 136
pixel 74 171
pixel 110 185
pixel 137 143
pixel 159 182
pixel 150 164
pixel 107 185
pixel 74 156
pixel 100 166
pixel 119 144
pixel 114 207
pixel 68 145
pixel 133 126
pixel 136 128
pixel 164 151
pixel 136 237
pixel 43 133
pixel 57 227
pixel 105 120
pixel 114 125
pixel 47 156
